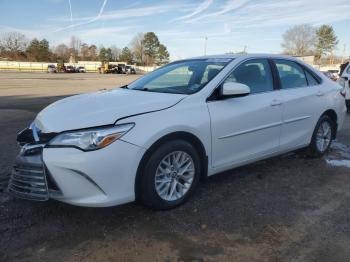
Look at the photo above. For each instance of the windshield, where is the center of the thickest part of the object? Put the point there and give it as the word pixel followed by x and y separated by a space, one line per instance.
pixel 183 77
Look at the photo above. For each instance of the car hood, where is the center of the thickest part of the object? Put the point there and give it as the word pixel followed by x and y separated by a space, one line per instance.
pixel 101 108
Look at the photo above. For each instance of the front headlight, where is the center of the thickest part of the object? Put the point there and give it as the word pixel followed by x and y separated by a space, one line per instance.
pixel 91 139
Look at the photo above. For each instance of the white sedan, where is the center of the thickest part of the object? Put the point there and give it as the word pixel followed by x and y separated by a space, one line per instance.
pixel 344 80
pixel 154 139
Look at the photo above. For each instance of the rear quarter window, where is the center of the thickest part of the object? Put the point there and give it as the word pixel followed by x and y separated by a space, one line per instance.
pixel 312 80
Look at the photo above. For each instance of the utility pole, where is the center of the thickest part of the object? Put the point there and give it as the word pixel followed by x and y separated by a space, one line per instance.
pixel 244 49
pixel 205 45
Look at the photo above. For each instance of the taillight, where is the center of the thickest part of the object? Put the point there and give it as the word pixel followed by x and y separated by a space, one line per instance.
pixel 343 91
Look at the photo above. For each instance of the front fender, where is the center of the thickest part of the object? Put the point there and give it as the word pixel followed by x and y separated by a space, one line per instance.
pixel 184 117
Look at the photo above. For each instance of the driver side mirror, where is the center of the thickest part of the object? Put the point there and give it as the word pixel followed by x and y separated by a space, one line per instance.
pixel 233 89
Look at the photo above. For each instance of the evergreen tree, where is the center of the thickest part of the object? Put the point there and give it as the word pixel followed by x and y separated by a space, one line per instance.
pixel 326 40
pixel 163 54
pixel 126 55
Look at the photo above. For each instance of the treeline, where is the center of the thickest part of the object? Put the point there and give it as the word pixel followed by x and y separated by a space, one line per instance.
pixel 303 40
pixel 144 49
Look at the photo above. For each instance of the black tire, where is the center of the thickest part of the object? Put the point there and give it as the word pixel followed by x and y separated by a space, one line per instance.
pixel 148 192
pixel 313 149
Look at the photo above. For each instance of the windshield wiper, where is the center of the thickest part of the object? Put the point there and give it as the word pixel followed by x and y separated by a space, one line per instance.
pixel 142 89
pixel 124 87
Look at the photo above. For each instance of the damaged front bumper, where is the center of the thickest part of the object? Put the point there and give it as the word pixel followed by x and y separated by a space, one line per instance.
pixel 30 179
pixel 98 178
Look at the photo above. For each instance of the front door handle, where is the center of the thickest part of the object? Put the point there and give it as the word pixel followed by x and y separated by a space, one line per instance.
pixel 276 102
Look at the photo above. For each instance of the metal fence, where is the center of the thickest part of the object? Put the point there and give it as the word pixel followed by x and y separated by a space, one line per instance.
pixel 90 66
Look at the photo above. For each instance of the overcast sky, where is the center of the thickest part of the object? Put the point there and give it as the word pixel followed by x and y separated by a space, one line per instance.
pixel 230 25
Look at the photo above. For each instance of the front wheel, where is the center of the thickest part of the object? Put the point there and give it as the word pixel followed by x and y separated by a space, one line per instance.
pixel 322 136
pixel 170 175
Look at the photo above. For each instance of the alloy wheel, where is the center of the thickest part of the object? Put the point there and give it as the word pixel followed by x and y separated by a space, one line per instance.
pixel 323 136
pixel 174 175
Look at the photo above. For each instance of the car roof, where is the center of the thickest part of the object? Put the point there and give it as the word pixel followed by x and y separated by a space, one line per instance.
pixel 233 56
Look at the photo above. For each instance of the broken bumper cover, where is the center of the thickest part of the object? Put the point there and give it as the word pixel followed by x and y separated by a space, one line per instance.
pixel 30 178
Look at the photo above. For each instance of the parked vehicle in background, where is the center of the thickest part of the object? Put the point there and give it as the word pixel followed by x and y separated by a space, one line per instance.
pixel 51 69
pixel 330 75
pixel 130 70
pixel 343 66
pixel 107 68
pixel 121 68
pixel 154 139
pixel 80 69
pixel 344 81
pixel 61 68
pixel 70 69
pixel 335 74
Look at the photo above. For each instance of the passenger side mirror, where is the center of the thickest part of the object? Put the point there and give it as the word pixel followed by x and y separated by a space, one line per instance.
pixel 233 89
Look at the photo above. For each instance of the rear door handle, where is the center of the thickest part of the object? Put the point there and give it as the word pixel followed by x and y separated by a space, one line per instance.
pixel 276 102
pixel 320 93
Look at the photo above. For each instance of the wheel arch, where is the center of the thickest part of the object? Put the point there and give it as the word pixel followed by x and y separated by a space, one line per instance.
pixel 333 115
pixel 186 136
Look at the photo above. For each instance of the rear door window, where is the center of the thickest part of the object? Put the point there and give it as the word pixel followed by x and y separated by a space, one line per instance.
pixel 291 74
pixel 210 72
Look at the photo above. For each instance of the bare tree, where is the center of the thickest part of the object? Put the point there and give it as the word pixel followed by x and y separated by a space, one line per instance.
pixel 115 52
pixel 138 49
pixel 75 45
pixel 299 40
pixel 14 42
pixel 13 45
pixel 62 52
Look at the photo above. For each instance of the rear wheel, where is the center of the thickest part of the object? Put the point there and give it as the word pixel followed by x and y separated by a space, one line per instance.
pixel 322 136
pixel 170 175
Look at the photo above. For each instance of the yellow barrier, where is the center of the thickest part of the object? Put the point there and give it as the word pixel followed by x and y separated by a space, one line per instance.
pixel 22 68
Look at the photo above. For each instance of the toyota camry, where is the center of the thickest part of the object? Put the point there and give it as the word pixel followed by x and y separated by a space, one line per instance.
pixel 154 139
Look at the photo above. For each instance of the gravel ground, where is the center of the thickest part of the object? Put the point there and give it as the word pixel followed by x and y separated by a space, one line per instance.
pixel 289 208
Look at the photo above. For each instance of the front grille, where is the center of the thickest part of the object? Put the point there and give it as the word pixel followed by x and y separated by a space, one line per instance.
pixel 29 182
pixel 28 178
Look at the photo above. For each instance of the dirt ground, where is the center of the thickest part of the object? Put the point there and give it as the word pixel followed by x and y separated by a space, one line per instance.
pixel 289 208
